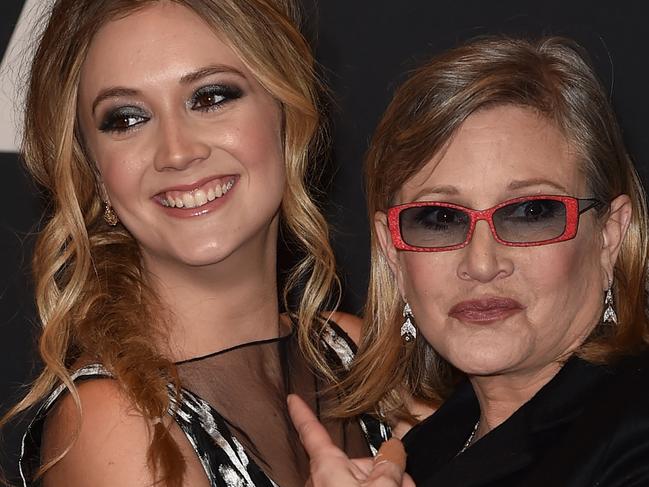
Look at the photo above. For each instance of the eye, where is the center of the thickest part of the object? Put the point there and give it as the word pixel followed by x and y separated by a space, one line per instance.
pixel 123 119
pixel 438 217
pixel 213 97
pixel 533 210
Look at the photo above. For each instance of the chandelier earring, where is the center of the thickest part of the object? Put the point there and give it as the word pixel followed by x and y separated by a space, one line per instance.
pixel 610 316
pixel 109 215
pixel 408 329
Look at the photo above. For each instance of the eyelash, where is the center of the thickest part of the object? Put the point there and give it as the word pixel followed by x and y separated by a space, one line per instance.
pixel 215 95
pixel 224 93
pixel 111 122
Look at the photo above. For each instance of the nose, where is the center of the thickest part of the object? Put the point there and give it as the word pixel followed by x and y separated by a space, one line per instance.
pixel 484 259
pixel 179 144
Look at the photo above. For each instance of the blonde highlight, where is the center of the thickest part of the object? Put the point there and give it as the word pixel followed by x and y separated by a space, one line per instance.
pixel 93 296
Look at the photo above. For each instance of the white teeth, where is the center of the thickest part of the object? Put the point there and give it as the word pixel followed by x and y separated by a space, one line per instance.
pixel 196 198
pixel 200 197
pixel 188 200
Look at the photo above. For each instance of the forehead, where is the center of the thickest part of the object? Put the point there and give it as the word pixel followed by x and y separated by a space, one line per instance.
pixel 500 152
pixel 161 40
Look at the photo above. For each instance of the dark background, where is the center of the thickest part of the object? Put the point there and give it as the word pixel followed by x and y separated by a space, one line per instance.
pixel 365 47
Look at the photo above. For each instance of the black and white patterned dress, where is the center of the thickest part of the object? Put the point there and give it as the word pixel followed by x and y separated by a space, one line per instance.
pixel 214 437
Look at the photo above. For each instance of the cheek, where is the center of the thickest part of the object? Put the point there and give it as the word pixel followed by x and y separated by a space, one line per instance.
pixel 260 148
pixel 120 171
pixel 426 277
pixel 562 285
pixel 564 271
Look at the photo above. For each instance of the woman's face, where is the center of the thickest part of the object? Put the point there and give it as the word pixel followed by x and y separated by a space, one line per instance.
pixel 187 142
pixel 489 308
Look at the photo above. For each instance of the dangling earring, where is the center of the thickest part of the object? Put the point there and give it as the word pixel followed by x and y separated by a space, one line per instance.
pixel 109 215
pixel 408 329
pixel 610 317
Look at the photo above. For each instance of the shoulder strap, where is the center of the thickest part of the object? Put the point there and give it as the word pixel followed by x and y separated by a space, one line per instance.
pixel 335 340
pixel 223 458
pixel 30 455
pixel 339 344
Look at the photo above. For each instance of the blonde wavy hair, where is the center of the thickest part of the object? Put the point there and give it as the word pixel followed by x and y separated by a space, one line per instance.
pixel 551 76
pixel 92 295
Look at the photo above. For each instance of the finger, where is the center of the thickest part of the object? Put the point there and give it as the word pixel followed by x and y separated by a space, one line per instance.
pixel 385 474
pixel 392 451
pixel 364 465
pixel 407 481
pixel 359 474
pixel 389 465
pixel 313 435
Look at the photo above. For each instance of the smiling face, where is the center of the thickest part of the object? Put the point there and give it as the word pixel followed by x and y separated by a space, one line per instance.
pixel 494 309
pixel 187 142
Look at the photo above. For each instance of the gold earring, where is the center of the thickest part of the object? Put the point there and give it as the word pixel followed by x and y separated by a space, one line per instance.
pixel 109 215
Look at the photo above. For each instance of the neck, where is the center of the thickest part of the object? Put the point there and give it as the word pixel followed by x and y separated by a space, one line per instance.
pixel 500 396
pixel 221 305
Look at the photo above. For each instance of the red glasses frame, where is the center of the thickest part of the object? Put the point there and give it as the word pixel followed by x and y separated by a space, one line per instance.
pixel 574 208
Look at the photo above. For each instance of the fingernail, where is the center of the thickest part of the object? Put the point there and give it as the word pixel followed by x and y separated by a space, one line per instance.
pixel 393 451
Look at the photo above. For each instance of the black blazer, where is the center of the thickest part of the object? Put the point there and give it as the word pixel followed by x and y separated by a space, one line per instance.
pixel 589 426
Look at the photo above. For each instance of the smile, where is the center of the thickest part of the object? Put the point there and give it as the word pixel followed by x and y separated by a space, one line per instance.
pixel 197 197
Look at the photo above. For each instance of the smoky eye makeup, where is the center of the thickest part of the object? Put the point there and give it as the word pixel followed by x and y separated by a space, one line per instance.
pixel 214 96
pixel 122 119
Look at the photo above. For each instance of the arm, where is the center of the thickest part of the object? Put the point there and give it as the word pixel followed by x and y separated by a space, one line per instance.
pixel 112 445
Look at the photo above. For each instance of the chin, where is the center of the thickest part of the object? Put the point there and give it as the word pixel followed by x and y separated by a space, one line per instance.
pixel 188 255
pixel 205 256
pixel 483 360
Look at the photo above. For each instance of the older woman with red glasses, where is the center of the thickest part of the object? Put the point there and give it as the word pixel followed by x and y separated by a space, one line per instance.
pixel 509 256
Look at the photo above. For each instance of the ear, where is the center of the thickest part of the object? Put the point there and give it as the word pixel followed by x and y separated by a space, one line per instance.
pixel 613 231
pixel 103 194
pixel 388 250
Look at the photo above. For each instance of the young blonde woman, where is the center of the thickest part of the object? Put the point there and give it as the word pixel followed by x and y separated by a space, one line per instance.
pixel 173 139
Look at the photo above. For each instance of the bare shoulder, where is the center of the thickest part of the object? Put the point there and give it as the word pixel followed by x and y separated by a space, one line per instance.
pixel 112 443
pixel 419 408
pixel 351 324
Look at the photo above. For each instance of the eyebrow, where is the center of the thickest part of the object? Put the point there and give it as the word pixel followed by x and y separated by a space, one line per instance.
pixel 441 189
pixel 449 190
pixel 526 183
pixel 114 92
pixel 209 71
pixel 121 91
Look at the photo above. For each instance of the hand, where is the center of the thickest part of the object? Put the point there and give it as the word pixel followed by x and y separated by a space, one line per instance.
pixel 330 467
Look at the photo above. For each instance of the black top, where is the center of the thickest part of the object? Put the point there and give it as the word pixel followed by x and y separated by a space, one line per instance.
pixel 589 426
pixel 232 409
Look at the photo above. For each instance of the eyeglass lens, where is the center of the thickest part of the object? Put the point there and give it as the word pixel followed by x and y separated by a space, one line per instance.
pixel 527 221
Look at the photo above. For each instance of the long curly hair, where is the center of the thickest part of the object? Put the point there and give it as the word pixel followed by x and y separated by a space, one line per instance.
pixel 92 295
pixel 551 76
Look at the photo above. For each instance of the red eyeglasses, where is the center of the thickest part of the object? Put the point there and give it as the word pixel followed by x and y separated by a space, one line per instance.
pixel 434 226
